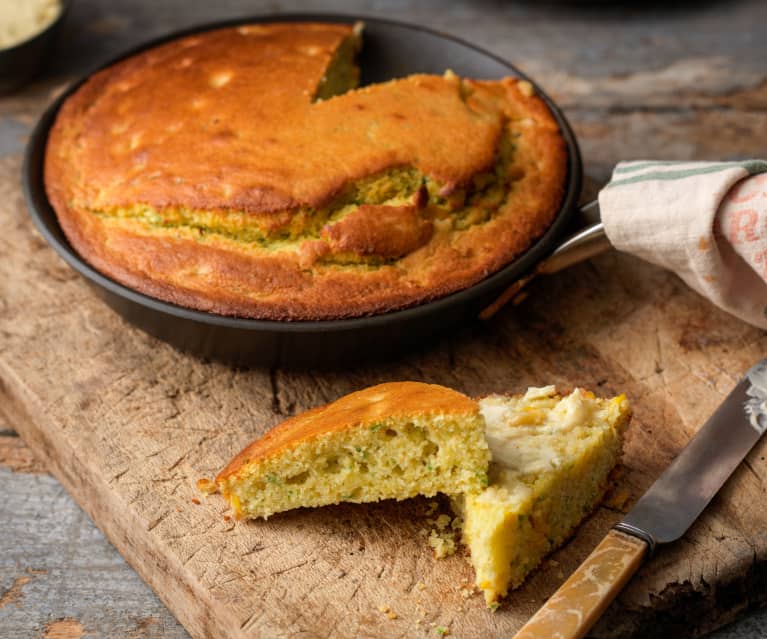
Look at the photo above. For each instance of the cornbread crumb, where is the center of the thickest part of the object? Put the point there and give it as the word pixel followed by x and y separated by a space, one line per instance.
pixel 206 486
pixel 619 498
pixel 388 612
pixel 442 545
pixel 442 538
pixel 421 586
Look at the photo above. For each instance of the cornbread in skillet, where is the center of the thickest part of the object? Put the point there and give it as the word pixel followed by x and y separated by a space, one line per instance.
pixel 239 171
pixel 552 457
pixel 390 441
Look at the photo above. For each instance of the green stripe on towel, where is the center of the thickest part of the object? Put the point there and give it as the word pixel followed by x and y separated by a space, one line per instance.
pixel 751 166
pixel 643 165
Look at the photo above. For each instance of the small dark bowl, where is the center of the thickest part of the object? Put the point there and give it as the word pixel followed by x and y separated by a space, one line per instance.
pixel 391 50
pixel 22 62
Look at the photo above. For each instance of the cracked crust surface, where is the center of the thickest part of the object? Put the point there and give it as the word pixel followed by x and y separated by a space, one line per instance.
pixel 204 173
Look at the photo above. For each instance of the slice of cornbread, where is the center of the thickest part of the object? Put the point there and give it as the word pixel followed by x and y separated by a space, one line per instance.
pixel 390 441
pixel 551 460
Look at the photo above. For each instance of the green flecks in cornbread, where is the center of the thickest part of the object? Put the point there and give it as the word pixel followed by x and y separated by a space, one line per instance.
pixel 391 441
pixel 463 207
pixel 393 459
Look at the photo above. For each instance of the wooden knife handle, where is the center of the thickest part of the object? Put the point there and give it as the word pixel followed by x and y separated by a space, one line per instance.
pixel 580 601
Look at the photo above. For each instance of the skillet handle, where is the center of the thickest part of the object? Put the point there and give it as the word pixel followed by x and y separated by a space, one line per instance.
pixel 583 245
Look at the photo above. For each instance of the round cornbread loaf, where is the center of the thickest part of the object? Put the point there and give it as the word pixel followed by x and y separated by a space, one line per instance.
pixel 238 171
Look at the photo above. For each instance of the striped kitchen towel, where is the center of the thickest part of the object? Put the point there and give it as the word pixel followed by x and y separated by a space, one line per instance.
pixel 706 221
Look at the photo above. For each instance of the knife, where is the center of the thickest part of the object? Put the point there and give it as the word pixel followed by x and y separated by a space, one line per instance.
pixel 662 515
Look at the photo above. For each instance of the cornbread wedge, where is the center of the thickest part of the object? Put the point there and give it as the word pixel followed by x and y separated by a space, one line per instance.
pixel 551 460
pixel 390 441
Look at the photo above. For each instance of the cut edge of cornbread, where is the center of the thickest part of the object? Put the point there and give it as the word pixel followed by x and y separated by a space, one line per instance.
pixel 343 72
pixel 392 441
pixel 552 458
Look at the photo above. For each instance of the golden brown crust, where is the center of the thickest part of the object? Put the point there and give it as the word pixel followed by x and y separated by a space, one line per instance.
pixel 383 231
pixel 392 400
pixel 188 125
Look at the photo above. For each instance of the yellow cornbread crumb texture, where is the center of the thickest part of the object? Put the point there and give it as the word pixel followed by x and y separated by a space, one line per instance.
pixel 552 457
pixel 390 459
pixel 443 535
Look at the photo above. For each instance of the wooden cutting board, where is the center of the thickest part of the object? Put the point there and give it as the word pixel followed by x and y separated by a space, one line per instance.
pixel 128 425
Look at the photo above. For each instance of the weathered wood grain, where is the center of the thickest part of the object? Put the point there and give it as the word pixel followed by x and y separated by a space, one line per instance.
pixel 17 456
pixel 688 84
pixel 58 573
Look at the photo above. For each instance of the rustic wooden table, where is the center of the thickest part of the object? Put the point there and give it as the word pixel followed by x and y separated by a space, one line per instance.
pixel 672 80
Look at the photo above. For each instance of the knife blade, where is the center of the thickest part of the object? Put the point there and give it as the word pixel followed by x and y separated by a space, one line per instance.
pixel 674 501
pixel 663 514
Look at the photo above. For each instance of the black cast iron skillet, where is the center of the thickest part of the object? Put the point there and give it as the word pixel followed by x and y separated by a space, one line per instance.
pixel 390 50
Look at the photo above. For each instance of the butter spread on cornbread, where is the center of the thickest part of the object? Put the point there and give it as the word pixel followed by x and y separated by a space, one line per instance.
pixel 551 461
pixel 390 441
pixel 241 171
